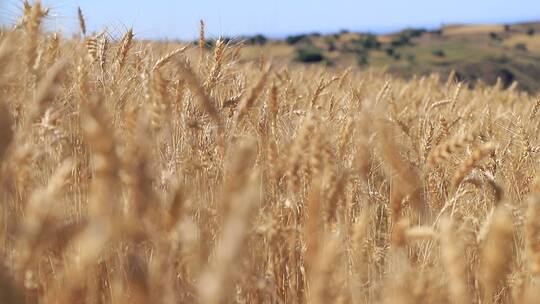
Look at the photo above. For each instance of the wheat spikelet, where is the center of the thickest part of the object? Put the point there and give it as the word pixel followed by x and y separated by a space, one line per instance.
pixel 298 153
pixel 125 46
pixel 445 129
pixel 382 93
pixel 319 90
pixel 409 179
pixel 535 109
pixel 91 44
pixel 168 57
pixel 445 149
pixel 195 85
pixel 440 103
pixel 451 78
pixel 102 51
pixel 478 154
pixel 159 100
pixel 82 22
pixel 52 49
pixel 33 18
pixel 346 134
pixel 272 105
pixel 343 77
pixel 428 141
pixel 335 194
pixel 216 68
pixel 249 99
pixel 455 96
pixel 202 40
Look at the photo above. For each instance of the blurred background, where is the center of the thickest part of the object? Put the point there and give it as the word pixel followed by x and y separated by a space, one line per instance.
pixel 475 40
pixel 279 18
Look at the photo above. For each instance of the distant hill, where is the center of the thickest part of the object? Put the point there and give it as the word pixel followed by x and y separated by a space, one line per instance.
pixel 485 52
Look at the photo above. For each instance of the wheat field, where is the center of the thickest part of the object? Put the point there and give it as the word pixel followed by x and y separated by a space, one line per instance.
pixel 146 172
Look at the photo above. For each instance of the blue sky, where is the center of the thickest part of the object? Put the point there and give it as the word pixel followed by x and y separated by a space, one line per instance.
pixel 179 19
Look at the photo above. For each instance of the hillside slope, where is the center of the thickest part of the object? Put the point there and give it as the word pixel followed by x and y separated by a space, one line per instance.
pixel 474 52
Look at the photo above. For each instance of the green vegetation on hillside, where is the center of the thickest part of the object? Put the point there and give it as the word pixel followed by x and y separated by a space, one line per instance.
pixel 475 52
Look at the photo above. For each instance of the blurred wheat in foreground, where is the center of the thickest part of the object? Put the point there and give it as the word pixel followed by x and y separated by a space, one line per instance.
pixel 140 172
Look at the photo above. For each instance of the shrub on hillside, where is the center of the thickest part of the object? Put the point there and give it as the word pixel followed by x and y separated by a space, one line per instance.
pixel 258 40
pixel 401 40
pixel 494 36
pixel 309 55
pixel 405 36
pixel 413 32
pixel 369 41
pixel 295 39
pixel 438 53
